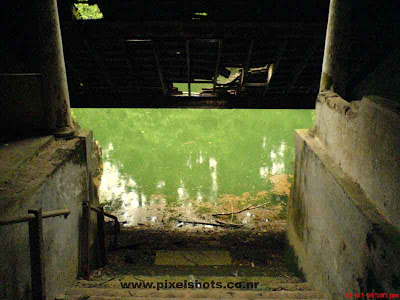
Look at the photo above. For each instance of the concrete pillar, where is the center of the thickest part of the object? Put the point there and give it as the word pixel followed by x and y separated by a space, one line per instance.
pixel 54 78
pixel 337 45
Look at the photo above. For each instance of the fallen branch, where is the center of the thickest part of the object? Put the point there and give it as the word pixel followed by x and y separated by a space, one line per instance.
pixel 229 224
pixel 239 211
pixel 221 224
pixel 103 283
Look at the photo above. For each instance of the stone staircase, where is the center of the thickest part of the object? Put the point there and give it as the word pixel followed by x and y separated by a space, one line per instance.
pixel 198 264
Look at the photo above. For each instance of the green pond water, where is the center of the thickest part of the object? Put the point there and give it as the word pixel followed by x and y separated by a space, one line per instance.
pixel 185 154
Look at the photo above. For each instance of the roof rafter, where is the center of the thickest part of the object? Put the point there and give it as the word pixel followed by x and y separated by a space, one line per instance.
pixel 274 67
pixel 301 66
pixel 156 53
pixel 206 29
pixel 188 65
pixel 314 86
pixel 122 44
pixel 247 64
pixel 99 61
pixel 71 66
pixel 217 65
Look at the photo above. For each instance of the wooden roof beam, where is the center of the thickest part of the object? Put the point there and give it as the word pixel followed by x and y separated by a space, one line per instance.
pixel 272 68
pixel 301 66
pixel 314 86
pixel 70 67
pixel 217 65
pixel 101 98
pixel 70 62
pixel 99 61
pixel 206 29
pixel 122 43
pixel 246 64
pixel 164 86
pixel 188 65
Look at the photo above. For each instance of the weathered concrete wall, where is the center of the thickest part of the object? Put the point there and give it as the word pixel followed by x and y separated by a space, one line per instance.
pixel 54 177
pixel 91 170
pixel 363 138
pixel 343 230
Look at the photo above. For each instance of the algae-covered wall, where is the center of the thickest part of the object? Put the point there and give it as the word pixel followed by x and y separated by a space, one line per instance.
pixel 342 214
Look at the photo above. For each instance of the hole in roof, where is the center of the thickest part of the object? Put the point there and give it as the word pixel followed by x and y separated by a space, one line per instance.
pixel 196 88
pixel 84 11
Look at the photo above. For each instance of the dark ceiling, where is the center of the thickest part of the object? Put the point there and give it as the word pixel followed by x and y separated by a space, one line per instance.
pixel 132 56
pixel 141 48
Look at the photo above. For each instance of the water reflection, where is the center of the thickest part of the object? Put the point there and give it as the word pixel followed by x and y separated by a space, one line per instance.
pixel 213 170
pixel 276 160
pixel 200 159
pixel 161 184
pixel 264 142
pixel 264 172
pixel 168 157
pixel 182 193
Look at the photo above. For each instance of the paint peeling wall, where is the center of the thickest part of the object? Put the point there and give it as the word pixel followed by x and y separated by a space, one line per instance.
pixel 342 214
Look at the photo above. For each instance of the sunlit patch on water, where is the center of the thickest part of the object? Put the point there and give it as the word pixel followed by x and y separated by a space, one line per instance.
pixel 264 172
pixel 200 159
pixel 264 142
pixel 189 161
pixel 182 193
pixel 161 184
pixel 213 170
pixel 272 155
pixel 199 196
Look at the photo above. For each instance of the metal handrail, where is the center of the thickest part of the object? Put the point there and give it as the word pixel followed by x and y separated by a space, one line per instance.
pixel 35 218
pixel 29 217
pixel 100 234
pixel 100 210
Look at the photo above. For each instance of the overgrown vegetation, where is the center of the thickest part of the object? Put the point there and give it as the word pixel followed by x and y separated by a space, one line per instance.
pixel 84 11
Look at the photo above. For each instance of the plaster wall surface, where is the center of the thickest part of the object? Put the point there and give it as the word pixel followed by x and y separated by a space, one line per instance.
pixel 343 213
pixel 343 243
pixel 54 178
pixel 363 138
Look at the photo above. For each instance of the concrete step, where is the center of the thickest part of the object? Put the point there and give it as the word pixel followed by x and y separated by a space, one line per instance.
pixel 125 294
pixel 131 287
pixel 263 283
pixel 210 297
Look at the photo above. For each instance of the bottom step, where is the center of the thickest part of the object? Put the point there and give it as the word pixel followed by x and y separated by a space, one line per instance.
pixel 129 294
